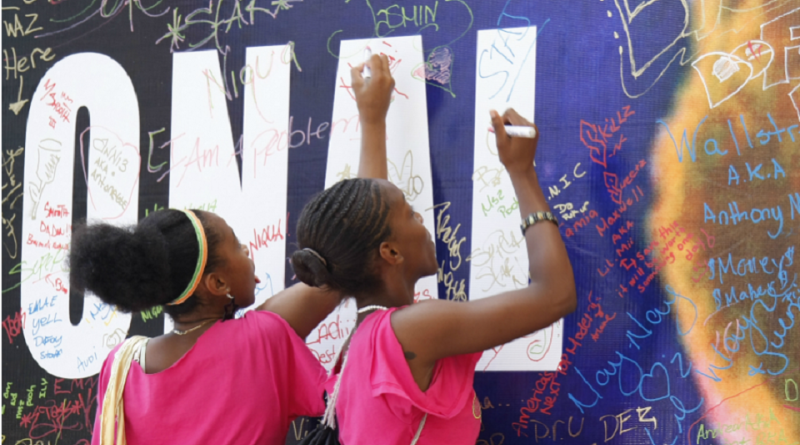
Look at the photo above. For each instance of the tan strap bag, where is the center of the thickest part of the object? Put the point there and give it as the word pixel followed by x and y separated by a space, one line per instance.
pixel 113 407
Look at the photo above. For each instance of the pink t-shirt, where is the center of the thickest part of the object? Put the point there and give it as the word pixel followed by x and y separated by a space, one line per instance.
pixel 379 401
pixel 243 382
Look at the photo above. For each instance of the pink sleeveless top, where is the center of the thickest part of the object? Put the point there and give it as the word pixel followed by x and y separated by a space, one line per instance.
pixel 379 401
pixel 243 382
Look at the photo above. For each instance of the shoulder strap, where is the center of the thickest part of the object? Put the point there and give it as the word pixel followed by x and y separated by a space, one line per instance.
pixel 329 419
pixel 419 430
pixel 113 409
pixel 140 355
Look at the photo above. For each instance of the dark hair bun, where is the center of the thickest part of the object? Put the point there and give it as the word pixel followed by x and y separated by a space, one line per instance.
pixel 126 267
pixel 346 223
pixel 310 269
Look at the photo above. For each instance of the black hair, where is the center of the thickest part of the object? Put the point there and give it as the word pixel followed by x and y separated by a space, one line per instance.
pixel 142 266
pixel 345 225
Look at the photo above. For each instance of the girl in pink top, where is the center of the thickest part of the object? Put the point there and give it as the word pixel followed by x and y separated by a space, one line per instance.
pixel 415 363
pixel 213 379
pixel 243 381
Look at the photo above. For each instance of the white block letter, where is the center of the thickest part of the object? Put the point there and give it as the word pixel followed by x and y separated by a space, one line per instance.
pixel 505 78
pixel 111 173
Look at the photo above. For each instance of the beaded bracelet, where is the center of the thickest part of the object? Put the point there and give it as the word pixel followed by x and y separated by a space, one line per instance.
pixel 533 218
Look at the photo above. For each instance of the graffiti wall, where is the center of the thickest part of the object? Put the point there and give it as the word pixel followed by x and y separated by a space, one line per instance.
pixel 669 150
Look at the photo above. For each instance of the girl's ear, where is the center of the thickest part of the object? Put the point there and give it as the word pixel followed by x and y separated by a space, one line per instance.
pixel 216 284
pixel 391 253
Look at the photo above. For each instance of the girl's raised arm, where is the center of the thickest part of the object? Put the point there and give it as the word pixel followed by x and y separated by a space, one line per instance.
pixel 373 96
pixel 302 306
pixel 436 329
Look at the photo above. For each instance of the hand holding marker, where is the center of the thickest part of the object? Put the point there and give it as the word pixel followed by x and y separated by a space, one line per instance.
pixel 518 131
pixel 367 55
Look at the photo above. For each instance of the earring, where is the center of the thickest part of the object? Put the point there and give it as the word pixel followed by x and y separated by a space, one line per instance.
pixel 230 308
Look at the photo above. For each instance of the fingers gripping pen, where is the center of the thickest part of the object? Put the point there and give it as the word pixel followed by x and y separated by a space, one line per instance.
pixel 367 55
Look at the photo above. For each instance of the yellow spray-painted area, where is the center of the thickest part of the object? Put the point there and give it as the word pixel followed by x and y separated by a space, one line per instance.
pixel 733 105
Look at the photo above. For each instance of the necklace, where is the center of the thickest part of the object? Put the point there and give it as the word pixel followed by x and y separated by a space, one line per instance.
pixel 371 307
pixel 179 332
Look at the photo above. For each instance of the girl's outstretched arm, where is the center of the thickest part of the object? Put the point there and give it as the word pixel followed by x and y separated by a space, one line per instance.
pixel 302 306
pixel 435 329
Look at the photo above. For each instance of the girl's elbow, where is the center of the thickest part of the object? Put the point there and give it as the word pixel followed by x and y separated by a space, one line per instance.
pixel 569 299
pixel 572 302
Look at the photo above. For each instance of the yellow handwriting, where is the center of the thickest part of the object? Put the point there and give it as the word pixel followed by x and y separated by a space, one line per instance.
pixel 455 289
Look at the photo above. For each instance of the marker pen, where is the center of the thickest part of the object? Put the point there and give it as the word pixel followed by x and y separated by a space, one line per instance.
pixel 518 131
pixel 367 55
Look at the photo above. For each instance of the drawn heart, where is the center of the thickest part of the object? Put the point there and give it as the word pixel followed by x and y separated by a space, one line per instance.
pixel 440 60
pixel 654 382
pixel 111 171
pixel 438 66
pixel 722 75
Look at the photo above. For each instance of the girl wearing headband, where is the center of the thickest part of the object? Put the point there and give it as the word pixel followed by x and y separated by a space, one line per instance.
pixel 409 368
pixel 206 381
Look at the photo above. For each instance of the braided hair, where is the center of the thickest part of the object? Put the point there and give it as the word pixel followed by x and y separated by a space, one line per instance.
pixel 139 267
pixel 345 224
